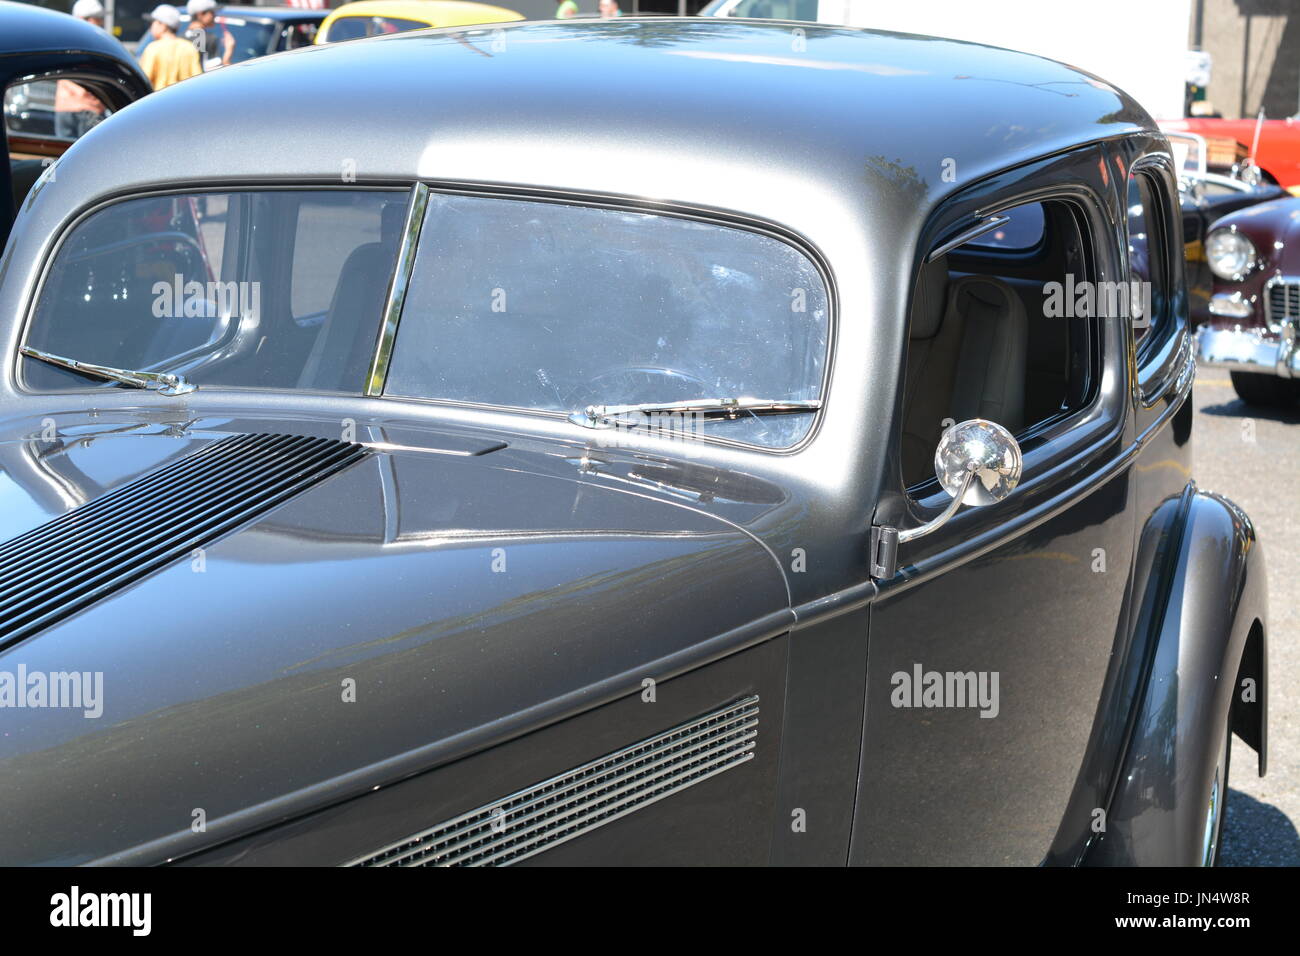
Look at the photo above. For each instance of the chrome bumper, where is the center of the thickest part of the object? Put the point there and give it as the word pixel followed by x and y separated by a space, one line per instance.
pixel 1249 350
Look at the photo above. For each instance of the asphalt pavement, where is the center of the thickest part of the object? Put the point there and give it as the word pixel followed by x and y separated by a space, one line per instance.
pixel 1252 456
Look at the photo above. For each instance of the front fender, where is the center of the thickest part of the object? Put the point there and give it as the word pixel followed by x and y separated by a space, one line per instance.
pixel 1203 626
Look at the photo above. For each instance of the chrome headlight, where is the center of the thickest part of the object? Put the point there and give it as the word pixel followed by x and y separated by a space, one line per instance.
pixel 1230 254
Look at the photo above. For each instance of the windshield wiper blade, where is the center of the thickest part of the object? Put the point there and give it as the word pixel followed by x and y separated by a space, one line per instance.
pixel 604 416
pixel 164 383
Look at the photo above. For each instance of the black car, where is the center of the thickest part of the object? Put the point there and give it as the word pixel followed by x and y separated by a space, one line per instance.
pixel 40 49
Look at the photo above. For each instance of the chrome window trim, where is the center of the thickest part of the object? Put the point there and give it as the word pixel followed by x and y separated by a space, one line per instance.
pixel 985 225
pixel 401 282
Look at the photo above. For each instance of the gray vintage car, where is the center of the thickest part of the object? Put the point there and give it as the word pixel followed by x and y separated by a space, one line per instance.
pixel 542 470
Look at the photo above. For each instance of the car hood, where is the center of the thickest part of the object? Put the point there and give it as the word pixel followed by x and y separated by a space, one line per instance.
pixel 438 594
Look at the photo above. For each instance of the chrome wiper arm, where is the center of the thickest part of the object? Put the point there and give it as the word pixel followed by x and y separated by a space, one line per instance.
pixel 164 383
pixel 604 416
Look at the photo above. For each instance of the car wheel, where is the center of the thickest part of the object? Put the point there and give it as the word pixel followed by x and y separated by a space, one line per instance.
pixel 1268 390
pixel 1217 810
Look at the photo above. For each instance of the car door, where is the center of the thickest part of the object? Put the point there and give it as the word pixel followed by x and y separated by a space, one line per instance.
pixel 989 648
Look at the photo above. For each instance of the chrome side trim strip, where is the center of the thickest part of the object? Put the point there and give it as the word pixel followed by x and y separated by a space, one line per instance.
pixel 397 291
pixel 578 801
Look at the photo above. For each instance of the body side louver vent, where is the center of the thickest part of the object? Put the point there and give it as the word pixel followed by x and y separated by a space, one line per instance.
pixel 577 802
pixel 69 563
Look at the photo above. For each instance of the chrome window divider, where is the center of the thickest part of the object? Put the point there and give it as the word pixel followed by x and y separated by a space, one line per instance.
pixel 987 224
pixel 415 211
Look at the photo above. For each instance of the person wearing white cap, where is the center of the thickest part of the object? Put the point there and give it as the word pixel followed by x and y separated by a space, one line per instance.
pixel 168 59
pixel 76 109
pixel 215 50
pixel 92 11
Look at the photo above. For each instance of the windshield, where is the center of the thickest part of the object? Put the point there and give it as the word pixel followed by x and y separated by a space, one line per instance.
pixel 542 306
pixel 556 307
pixel 271 289
pixel 252 37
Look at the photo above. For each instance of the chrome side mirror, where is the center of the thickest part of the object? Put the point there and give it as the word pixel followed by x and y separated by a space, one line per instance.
pixel 978 463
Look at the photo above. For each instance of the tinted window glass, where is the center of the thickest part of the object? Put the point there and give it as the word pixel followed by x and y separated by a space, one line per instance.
pixel 355 28
pixel 1023 230
pixel 298 35
pixel 1145 253
pixel 556 307
pixel 207 285
pixel 252 38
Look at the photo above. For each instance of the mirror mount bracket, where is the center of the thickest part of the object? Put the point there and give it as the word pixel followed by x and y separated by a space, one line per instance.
pixel 884 552
pixel 886 539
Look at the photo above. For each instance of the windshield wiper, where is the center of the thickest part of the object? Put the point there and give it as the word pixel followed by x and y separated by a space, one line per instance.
pixel 164 383
pixel 604 416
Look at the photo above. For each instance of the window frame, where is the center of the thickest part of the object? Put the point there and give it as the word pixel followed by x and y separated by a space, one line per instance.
pixel 1039 434
pixel 1071 443
pixel 723 218
pixel 1156 354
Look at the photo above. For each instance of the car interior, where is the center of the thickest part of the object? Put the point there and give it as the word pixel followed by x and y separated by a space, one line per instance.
pixel 980 342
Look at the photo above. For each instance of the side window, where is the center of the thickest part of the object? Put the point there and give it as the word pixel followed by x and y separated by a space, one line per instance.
pixel 1147 256
pixel 1000 337
pixel 60 109
pixel 298 35
pixel 42 119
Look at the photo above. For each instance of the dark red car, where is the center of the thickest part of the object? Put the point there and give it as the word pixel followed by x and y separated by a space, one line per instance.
pixel 1254 307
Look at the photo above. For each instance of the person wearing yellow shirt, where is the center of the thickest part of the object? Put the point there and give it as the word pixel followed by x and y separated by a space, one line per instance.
pixel 168 59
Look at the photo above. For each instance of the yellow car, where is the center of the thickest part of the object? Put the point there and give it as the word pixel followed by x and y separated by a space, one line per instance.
pixel 371 18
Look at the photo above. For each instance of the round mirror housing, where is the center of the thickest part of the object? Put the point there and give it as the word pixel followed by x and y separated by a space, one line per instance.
pixel 985 451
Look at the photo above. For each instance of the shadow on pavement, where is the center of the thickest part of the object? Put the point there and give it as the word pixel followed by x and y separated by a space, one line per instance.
pixel 1239 409
pixel 1257 834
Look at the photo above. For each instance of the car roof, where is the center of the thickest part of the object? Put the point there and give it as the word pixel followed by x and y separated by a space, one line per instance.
pixel 29 29
pixel 815 128
pixel 442 13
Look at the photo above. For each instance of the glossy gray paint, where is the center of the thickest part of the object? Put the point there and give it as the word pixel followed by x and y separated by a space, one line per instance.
pixel 636 561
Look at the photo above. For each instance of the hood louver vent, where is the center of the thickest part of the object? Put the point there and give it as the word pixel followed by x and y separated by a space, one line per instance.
pixel 69 563
pixel 553 811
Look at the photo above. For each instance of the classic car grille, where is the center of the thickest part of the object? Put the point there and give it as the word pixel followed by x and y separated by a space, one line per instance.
pixel 1282 301
pixel 553 811
pixel 67 564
